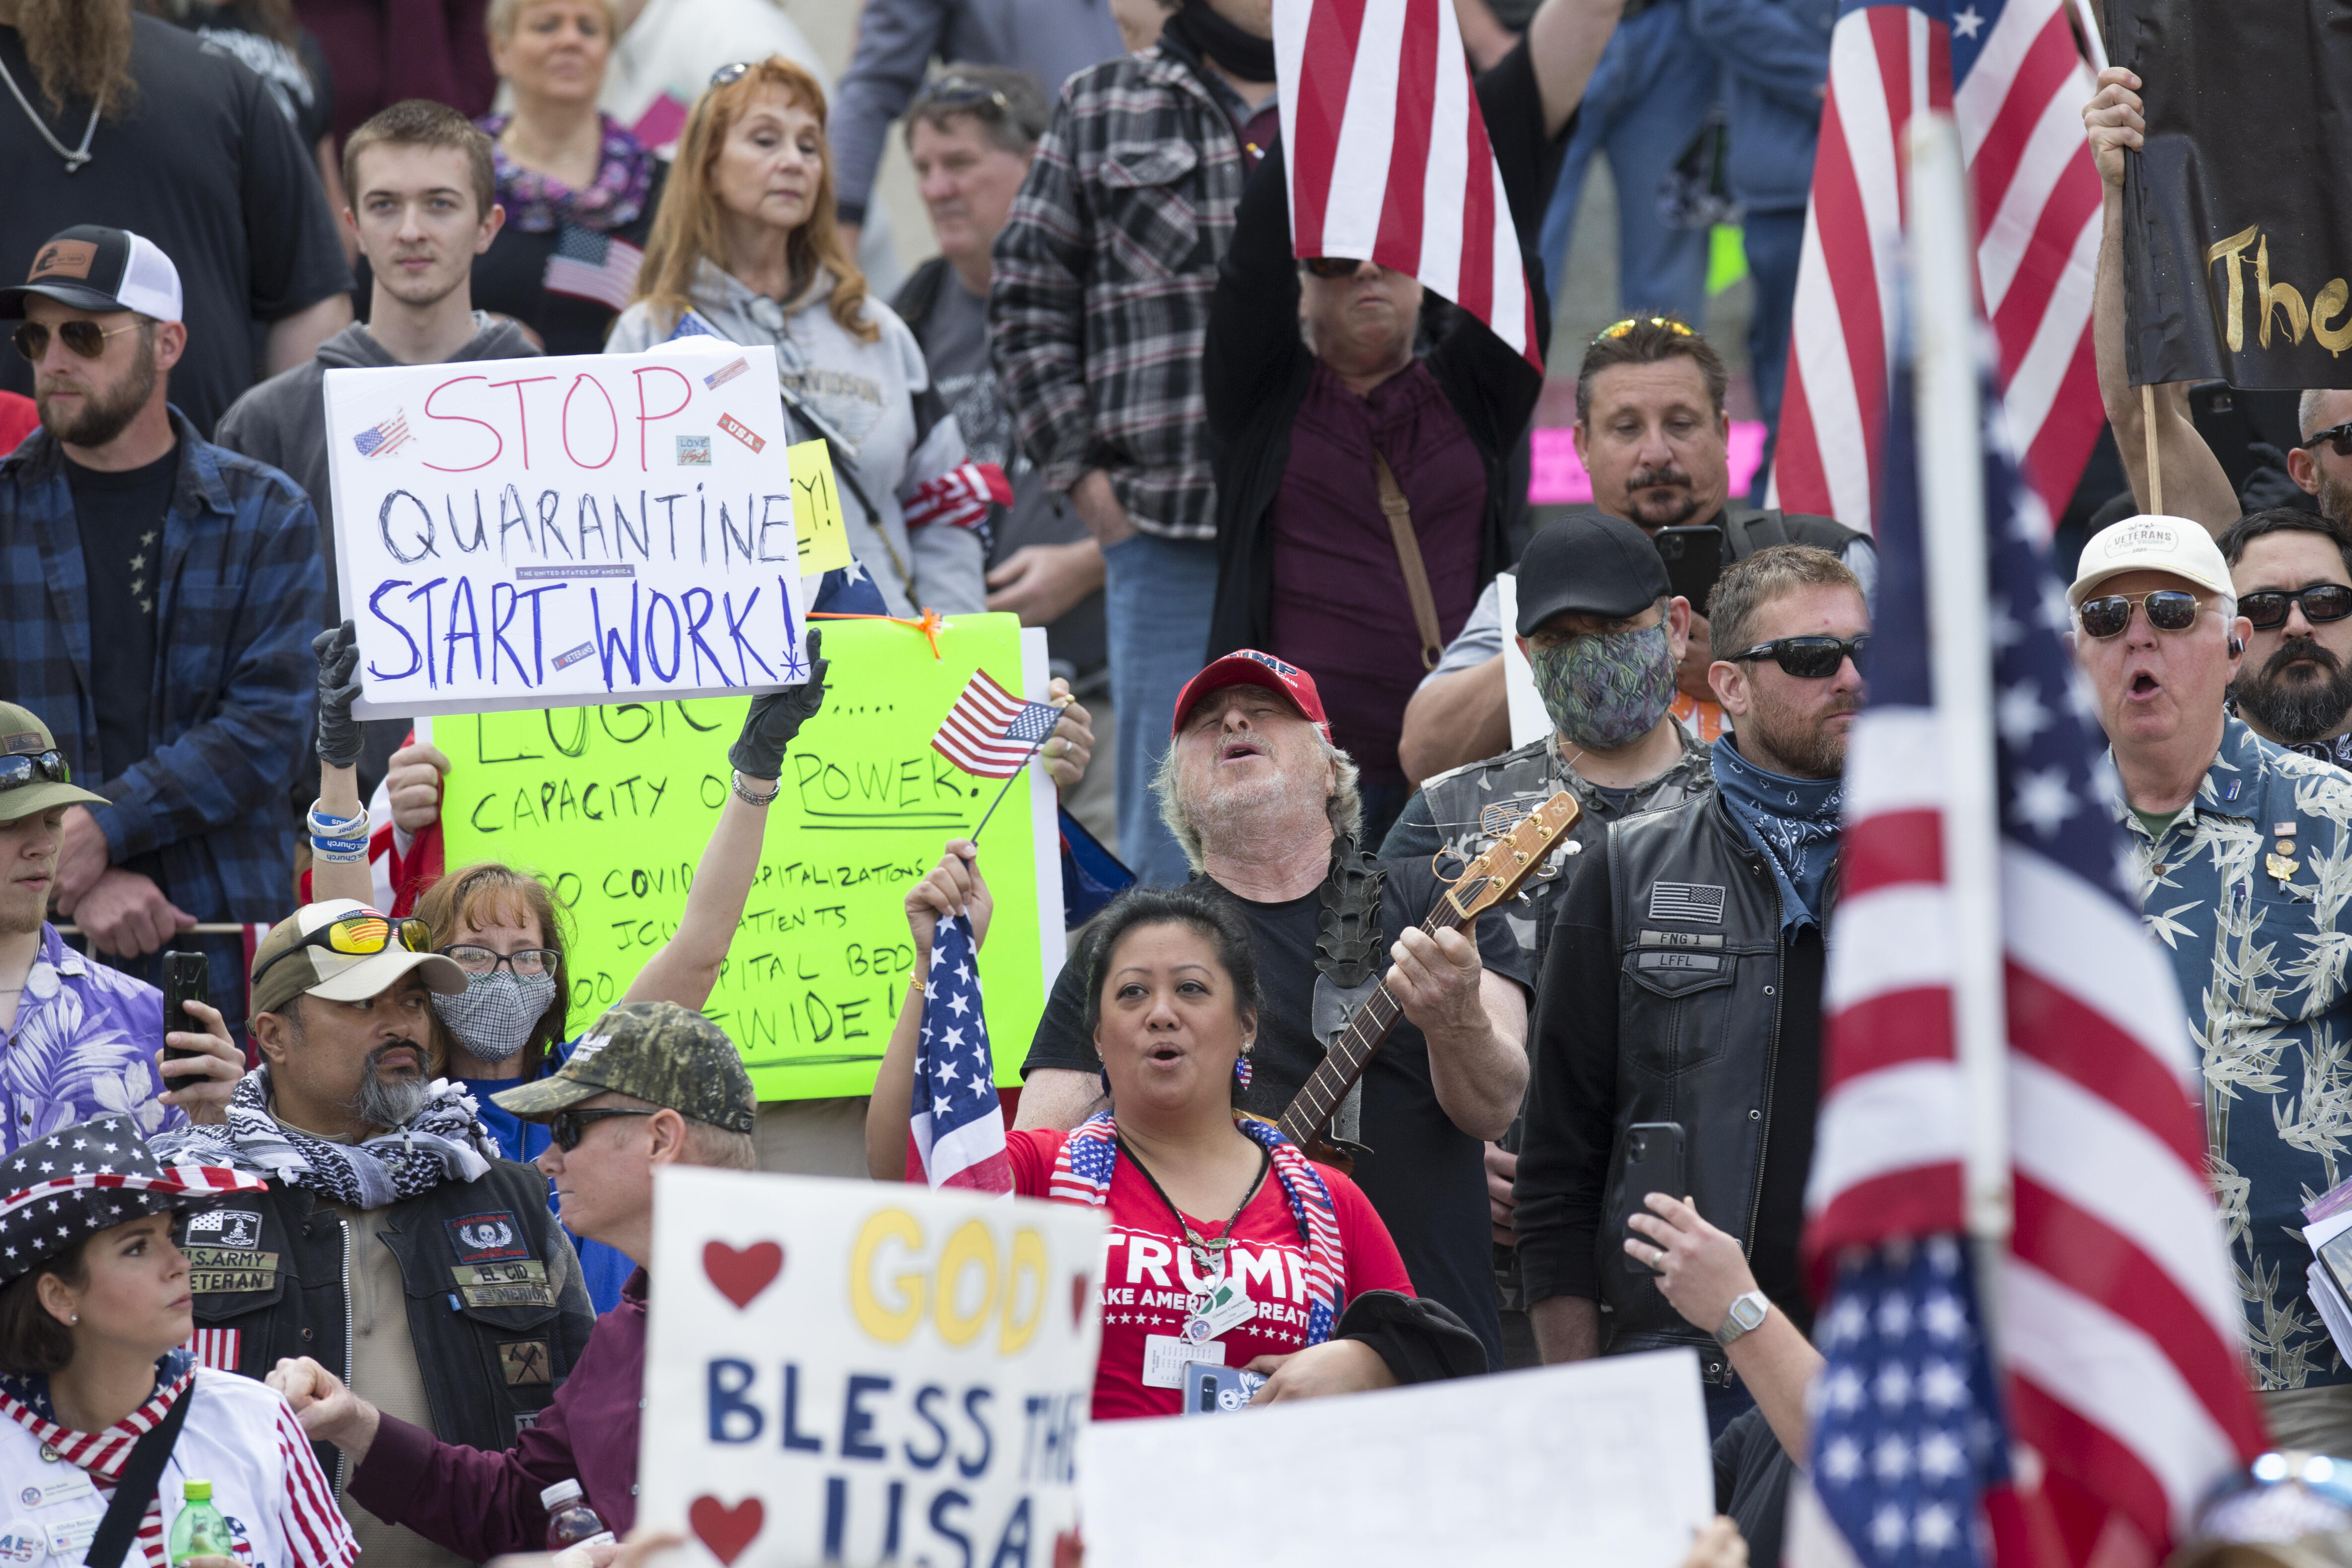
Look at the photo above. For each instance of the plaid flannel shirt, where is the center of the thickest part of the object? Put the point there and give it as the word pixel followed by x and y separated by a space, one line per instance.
pixel 1099 310
pixel 243 592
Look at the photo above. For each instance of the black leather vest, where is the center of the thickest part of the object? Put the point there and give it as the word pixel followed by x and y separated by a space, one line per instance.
pixel 493 1336
pixel 1700 989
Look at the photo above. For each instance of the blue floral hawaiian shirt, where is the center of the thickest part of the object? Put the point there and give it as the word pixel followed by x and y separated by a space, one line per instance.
pixel 84 1044
pixel 2247 890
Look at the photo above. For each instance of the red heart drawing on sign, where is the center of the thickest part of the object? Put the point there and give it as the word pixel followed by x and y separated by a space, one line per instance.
pixel 726 1530
pixel 741 1276
pixel 1080 1285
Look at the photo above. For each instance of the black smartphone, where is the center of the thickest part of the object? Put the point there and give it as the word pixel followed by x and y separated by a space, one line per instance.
pixel 1694 557
pixel 188 977
pixel 1653 1164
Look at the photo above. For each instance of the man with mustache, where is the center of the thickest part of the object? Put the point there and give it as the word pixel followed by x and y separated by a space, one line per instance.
pixel 1652 431
pixel 160 595
pixel 1683 984
pixel 2292 572
pixel 393 1245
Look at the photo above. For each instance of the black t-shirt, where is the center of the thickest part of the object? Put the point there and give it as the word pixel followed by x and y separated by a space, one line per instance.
pixel 204 164
pixel 296 73
pixel 120 519
pixel 1424 1176
pixel 1752 1484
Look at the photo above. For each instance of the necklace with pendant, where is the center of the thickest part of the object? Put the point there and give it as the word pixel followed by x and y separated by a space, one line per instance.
pixel 75 157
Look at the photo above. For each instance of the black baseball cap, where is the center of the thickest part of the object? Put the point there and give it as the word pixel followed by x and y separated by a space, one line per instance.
pixel 96 269
pixel 1592 563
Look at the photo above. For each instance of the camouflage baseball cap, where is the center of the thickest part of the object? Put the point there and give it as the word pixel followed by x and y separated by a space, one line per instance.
pixel 45 782
pixel 654 1051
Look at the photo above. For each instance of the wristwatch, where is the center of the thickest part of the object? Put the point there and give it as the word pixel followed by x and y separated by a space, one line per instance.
pixel 1747 1312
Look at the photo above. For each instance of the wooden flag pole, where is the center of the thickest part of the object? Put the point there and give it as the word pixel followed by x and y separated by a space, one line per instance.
pixel 2155 467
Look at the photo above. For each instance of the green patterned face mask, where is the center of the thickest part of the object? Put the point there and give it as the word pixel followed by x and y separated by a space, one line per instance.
pixel 1604 690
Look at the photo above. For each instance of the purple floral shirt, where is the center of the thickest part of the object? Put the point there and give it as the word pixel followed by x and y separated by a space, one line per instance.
pixel 84 1044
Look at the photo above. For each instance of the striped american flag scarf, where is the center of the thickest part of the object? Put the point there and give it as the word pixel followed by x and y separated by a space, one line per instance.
pixel 26 1400
pixel 1089 1157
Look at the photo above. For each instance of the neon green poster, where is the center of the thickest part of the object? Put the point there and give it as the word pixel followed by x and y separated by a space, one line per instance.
pixel 612 805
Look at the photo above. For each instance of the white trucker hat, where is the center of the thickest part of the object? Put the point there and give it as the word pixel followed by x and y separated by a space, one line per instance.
pixel 94 268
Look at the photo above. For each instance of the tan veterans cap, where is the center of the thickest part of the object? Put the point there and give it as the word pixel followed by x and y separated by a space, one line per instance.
pixel 654 1051
pixel 41 781
pixel 314 969
pixel 2151 544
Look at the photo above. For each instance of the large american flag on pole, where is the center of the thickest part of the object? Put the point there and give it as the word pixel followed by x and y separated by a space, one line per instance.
pixel 1389 157
pixel 2009 73
pixel 2117 1341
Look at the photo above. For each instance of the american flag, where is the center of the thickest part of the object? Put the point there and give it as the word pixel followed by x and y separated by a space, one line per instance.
pixel 216 1348
pixel 958 1130
pixel 959 498
pixel 587 264
pixel 380 439
pixel 992 732
pixel 2008 72
pixel 2119 1334
pixel 1389 157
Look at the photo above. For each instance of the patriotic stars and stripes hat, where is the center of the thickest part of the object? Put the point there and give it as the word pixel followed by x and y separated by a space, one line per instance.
pixel 1247 667
pixel 89 1177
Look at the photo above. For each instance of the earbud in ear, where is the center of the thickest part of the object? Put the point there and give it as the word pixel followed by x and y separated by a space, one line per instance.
pixel 2236 647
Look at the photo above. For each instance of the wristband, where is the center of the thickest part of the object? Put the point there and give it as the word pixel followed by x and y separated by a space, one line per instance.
pixel 748 798
pixel 339 840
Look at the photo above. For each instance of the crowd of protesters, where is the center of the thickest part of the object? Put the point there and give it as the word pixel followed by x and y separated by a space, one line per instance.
pixel 1269 511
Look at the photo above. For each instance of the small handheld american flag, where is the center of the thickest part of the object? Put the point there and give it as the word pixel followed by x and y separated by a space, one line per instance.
pixel 958 1130
pixel 592 266
pixel 992 732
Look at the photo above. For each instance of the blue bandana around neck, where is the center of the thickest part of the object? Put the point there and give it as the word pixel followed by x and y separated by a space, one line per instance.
pixel 1795 822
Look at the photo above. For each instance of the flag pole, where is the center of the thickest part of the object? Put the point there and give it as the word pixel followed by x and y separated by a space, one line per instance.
pixel 1003 788
pixel 1947 382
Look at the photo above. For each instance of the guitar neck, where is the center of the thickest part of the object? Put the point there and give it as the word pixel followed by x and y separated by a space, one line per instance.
pixel 1311 1110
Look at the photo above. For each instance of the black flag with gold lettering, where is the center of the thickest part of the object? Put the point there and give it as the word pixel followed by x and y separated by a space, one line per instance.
pixel 2237 221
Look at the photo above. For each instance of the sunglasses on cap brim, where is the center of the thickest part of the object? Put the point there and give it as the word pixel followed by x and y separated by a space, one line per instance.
pixel 363 934
pixel 18 769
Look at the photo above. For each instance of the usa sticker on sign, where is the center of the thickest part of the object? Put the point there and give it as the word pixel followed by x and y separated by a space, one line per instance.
pixel 842 1373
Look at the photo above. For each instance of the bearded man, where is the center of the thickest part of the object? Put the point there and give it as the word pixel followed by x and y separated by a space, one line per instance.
pixel 1267 812
pixel 159 595
pixel 391 1244
pixel 2292 572
pixel 1683 984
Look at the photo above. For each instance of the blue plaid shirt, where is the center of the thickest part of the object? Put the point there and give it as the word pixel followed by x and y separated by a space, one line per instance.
pixel 242 592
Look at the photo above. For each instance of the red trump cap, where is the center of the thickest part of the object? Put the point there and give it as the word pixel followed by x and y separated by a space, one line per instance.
pixel 1247 667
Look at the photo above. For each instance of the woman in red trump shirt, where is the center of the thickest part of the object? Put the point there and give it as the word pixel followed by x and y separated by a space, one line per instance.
pixel 1226 1244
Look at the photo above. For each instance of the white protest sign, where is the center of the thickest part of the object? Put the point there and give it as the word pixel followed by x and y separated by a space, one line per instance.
pixel 1529 720
pixel 847 1372
pixel 531 532
pixel 1595 1464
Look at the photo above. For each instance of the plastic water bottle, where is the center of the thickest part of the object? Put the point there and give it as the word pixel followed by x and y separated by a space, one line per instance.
pixel 570 1520
pixel 200 1530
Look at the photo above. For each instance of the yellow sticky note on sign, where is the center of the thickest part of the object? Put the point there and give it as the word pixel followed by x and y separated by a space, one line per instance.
pixel 817 527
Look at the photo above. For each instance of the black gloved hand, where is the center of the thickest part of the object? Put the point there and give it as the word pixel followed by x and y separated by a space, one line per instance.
pixel 338 649
pixel 776 717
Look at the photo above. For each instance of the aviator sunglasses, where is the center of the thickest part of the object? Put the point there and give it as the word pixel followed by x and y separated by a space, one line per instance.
pixel 86 339
pixel 2169 610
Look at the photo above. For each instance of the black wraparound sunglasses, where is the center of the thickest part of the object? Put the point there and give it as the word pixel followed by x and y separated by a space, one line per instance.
pixel 19 769
pixel 2337 435
pixel 2322 602
pixel 1810 659
pixel 568 1127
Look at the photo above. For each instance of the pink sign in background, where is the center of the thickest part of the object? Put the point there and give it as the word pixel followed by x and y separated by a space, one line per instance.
pixel 1558 478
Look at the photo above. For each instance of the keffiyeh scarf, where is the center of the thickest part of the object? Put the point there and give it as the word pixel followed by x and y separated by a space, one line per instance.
pixel 1083 1170
pixel 444 1141
pixel 1795 822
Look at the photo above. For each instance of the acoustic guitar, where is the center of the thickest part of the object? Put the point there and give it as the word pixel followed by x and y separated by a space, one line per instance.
pixel 1492 878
